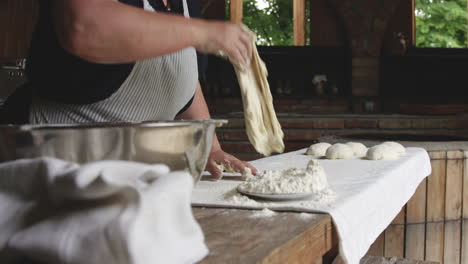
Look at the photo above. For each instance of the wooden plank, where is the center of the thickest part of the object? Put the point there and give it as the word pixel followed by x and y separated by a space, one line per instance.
pixel 400 218
pixel 235 236
pixel 416 206
pixel 394 241
pixel 299 18
pixel 465 187
pixel 464 246
pixel 452 245
pixel 415 219
pixel 455 154
pixel 236 11
pixel 437 155
pixel 414 241
pixel 435 242
pixel 317 238
pixel 454 189
pixel 436 191
pixel 378 247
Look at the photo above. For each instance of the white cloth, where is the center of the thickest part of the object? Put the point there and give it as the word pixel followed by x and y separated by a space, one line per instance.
pixel 369 194
pixel 104 212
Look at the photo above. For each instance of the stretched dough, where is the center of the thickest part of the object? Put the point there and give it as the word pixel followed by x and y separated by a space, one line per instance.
pixel 262 126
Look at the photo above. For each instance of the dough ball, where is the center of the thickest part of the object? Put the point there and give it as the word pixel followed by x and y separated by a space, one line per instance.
pixel 339 151
pixel 359 149
pixel 382 152
pixel 397 146
pixel 319 149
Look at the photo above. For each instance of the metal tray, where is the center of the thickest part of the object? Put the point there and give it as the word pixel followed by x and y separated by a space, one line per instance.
pixel 182 145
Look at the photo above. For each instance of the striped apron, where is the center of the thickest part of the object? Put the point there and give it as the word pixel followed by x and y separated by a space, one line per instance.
pixel 156 89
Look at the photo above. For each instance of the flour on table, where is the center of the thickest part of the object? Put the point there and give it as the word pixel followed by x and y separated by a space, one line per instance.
pixel 306 216
pixel 262 213
pixel 359 149
pixel 318 149
pixel 311 179
pixel 262 126
pixel 339 151
pixel 234 197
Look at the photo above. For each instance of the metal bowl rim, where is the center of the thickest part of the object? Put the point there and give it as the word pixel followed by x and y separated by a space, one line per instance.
pixel 105 125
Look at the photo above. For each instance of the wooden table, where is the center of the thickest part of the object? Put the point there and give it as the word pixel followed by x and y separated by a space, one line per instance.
pixel 237 236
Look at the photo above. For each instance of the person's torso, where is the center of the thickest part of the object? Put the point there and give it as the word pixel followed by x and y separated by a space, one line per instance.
pixel 80 91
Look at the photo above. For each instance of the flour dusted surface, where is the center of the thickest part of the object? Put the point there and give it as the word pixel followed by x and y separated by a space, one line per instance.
pixel 311 179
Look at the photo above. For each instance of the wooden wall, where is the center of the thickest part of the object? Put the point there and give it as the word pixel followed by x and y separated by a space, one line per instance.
pixel 433 225
pixel 17 20
pixel 326 27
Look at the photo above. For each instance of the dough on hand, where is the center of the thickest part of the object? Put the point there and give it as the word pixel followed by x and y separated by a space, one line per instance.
pixel 226 167
pixel 339 151
pixel 262 126
pixel 318 149
pixel 397 146
pixel 359 149
pixel 382 152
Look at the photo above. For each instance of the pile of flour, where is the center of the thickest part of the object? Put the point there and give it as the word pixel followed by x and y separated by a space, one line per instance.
pixel 311 179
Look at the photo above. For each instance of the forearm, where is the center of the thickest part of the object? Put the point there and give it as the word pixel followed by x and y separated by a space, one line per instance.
pixel 199 110
pixel 107 31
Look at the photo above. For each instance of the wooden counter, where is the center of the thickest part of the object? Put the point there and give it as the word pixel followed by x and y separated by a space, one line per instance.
pixel 241 236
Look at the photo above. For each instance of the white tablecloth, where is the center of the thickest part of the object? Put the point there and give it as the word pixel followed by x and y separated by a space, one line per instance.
pixel 369 194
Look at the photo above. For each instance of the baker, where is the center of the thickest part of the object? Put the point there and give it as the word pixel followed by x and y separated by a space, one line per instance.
pixel 123 61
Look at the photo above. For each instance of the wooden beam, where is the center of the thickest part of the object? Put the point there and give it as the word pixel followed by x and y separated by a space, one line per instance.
pixel 236 11
pixel 299 18
pixel 412 37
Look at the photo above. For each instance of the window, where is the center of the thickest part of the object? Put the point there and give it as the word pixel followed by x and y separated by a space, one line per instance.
pixel 275 22
pixel 441 23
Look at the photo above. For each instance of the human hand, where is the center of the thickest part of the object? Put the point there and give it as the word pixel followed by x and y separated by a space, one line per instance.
pixel 218 156
pixel 231 40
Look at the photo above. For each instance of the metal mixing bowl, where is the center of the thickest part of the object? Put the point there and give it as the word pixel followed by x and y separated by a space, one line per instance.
pixel 182 145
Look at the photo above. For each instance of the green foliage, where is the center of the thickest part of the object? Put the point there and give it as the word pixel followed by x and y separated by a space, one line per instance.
pixel 272 24
pixel 441 23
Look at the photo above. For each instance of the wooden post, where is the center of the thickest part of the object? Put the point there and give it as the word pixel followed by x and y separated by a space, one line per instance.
pixel 412 37
pixel 236 11
pixel 299 18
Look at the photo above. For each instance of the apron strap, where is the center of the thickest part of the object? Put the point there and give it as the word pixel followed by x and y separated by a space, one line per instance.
pixel 186 10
